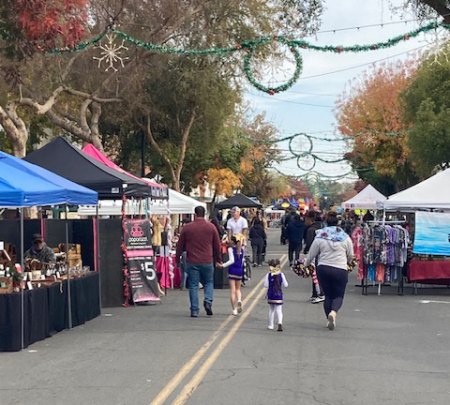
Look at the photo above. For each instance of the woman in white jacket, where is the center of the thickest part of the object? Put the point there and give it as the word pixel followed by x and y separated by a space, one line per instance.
pixel 334 250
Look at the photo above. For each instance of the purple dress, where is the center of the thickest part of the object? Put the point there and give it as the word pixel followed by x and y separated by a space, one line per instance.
pixel 236 270
pixel 275 292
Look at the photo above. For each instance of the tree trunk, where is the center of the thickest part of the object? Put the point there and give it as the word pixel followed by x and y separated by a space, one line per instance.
pixel 174 168
pixel 440 7
pixel 15 129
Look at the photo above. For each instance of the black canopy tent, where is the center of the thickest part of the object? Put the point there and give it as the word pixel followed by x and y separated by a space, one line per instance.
pixel 62 158
pixel 239 200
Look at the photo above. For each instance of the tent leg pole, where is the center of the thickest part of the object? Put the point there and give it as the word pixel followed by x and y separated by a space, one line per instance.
pixel 69 298
pixel 98 258
pixel 22 291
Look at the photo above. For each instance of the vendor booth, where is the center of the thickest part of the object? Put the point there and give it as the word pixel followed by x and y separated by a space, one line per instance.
pixel 67 160
pixel 169 202
pixel 56 298
pixel 367 199
pixel 430 263
pixel 238 200
pixel 158 191
pixel 177 204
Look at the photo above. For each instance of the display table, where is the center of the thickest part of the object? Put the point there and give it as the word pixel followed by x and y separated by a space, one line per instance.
pixel 429 271
pixel 46 311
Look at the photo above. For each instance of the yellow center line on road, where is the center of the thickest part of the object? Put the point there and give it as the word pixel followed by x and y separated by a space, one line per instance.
pixel 192 385
pixel 191 363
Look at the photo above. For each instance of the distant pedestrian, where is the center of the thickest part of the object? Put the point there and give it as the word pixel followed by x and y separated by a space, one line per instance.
pixel 334 250
pixel 237 224
pixel 200 240
pixel 235 265
pixel 295 230
pixel 313 222
pixel 275 281
pixel 257 237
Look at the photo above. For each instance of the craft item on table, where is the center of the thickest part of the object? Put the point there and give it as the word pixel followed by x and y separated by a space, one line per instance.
pixel 301 270
pixel 33 264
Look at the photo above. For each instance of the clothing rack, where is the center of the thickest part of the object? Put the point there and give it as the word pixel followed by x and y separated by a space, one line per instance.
pixel 365 281
pixel 386 222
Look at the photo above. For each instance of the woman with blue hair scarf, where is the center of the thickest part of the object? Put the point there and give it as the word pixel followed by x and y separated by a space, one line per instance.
pixel 334 251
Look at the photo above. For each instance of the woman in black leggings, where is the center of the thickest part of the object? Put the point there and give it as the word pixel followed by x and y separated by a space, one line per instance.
pixel 334 250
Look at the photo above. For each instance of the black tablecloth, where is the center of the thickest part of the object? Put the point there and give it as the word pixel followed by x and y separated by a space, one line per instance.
pixel 46 311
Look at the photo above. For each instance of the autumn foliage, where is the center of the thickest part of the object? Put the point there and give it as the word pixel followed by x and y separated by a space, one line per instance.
pixel 372 117
pixel 52 23
pixel 224 181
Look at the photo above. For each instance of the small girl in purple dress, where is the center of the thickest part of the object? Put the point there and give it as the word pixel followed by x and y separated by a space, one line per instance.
pixel 235 265
pixel 274 281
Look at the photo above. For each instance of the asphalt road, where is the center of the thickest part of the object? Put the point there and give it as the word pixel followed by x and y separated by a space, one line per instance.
pixel 386 349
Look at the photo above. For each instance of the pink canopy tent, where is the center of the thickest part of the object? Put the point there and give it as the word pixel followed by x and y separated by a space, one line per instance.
pixel 159 191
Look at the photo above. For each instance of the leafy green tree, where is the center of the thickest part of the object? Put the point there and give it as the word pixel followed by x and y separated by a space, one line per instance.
pixel 427 109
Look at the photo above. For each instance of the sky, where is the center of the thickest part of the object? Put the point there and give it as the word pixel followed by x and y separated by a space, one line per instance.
pixel 309 106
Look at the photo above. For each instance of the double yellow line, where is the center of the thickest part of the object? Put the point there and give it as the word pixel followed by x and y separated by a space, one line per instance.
pixel 195 381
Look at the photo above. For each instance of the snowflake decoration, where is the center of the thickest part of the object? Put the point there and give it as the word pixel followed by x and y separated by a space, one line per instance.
pixel 440 48
pixel 111 54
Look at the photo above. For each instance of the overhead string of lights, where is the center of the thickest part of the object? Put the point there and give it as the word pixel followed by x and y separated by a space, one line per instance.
pixel 248 47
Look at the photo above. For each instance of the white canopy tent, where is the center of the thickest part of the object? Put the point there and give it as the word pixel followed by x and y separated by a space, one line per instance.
pixel 368 198
pixel 177 204
pixel 433 192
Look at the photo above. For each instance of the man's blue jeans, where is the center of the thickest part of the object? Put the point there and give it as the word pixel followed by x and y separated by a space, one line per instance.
pixel 203 273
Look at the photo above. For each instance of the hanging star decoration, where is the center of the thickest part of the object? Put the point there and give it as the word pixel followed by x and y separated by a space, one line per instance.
pixel 111 53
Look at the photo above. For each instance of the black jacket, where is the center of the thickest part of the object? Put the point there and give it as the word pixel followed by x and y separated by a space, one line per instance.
pixel 295 231
pixel 310 234
pixel 257 232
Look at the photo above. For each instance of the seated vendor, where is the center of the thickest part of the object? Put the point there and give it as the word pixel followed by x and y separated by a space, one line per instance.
pixel 40 251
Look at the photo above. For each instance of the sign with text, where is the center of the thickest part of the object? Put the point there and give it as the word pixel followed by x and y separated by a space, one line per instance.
pixel 140 260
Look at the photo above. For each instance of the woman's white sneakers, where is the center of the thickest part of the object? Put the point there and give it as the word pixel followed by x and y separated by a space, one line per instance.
pixel 234 311
pixel 239 307
pixel 331 320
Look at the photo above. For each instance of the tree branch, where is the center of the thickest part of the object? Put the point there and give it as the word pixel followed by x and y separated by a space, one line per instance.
pixel 91 97
pixel 183 144
pixel 82 116
pixel 152 141
pixel 68 125
pixel 42 109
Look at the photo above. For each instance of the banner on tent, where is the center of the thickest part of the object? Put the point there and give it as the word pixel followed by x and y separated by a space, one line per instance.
pixel 432 234
pixel 139 255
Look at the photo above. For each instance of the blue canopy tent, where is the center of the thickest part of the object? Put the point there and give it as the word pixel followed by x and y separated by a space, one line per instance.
pixel 23 184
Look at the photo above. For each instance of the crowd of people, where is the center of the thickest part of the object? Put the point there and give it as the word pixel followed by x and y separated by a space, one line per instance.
pixel 206 245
